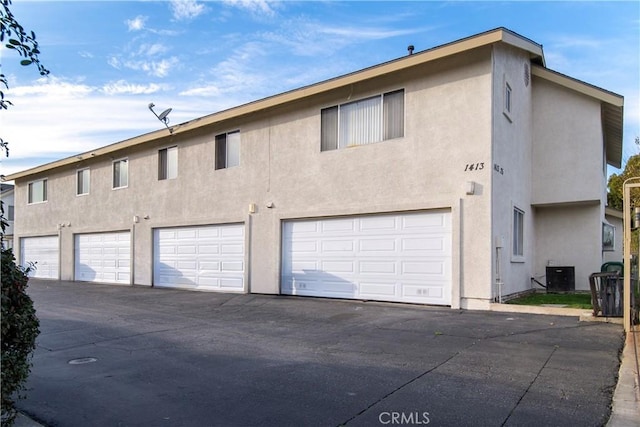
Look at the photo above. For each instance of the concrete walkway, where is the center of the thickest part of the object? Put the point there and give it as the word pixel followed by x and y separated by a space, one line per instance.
pixel 626 399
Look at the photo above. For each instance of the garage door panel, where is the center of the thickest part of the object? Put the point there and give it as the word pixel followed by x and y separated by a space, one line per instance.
pixel 374 223
pixel 338 246
pixel 379 267
pixel 231 284
pixel 211 257
pixel 395 257
pixel 377 290
pixel 333 267
pixel 337 226
pixel 377 245
pixel 44 252
pixel 103 257
pixel 229 248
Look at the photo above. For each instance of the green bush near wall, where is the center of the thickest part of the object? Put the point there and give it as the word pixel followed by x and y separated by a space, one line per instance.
pixel 20 327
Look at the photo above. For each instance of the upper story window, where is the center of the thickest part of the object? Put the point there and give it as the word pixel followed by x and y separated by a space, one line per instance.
pixel 120 173
pixel 228 150
pixel 38 191
pixel 508 99
pixel 168 163
pixel 518 233
pixel 365 121
pixel 11 213
pixel 83 177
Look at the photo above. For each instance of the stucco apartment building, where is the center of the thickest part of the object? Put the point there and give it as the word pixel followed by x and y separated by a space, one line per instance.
pixel 6 195
pixel 450 176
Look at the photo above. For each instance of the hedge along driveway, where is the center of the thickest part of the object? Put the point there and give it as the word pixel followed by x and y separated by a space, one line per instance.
pixel 171 357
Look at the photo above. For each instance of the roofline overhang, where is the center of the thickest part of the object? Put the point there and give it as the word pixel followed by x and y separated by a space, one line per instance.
pixel 612 109
pixel 473 42
pixel 613 212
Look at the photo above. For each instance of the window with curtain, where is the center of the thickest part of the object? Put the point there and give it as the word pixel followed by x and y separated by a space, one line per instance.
pixel 120 173
pixel 518 233
pixel 82 181
pixel 168 163
pixel 361 122
pixel 37 191
pixel 228 150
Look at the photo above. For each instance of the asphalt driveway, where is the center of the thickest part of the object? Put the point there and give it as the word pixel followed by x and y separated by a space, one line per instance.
pixel 113 355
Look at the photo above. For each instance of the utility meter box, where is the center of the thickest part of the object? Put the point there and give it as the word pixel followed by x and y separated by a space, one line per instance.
pixel 561 279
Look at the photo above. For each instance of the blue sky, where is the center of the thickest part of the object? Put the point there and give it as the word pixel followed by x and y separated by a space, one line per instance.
pixel 110 59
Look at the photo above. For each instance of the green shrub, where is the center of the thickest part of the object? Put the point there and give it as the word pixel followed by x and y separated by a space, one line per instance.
pixel 19 332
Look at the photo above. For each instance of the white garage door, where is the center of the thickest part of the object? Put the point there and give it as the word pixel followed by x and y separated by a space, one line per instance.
pixel 44 251
pixel 103 257
pixel 399 257
pixel 202 257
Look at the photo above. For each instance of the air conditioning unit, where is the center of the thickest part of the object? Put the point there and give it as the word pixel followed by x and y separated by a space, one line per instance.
pixel 561 279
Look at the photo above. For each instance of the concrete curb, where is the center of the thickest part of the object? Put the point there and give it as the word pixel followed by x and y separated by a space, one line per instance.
pixel 625 411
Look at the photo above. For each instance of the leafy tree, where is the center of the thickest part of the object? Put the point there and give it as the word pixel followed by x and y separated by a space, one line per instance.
pixel 19 322
pixel 15 38
pixel 615 194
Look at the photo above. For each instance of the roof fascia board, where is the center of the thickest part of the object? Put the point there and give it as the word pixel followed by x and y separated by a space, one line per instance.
pixel 438 52
pixel 578 86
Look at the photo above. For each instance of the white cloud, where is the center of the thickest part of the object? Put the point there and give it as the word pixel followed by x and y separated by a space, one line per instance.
pixel 161 68
pixel 53 86
pixel 55 119
pixel 186 9
pixel 265 7
pixel 121 87
pixel 206 90
pixel 152 49
pixel 114 62
pixel 136 24
pixel 306 37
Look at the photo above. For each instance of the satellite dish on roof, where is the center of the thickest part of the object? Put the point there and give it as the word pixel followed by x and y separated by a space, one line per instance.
pixel 164 114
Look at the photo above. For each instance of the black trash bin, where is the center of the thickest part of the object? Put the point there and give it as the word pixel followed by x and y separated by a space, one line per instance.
pixel 606 294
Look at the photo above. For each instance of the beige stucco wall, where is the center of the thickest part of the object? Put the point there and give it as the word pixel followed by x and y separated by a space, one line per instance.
pixel 8 200
pixel 566 123
pixel 569 236
pixel 447 126
pixel 512 139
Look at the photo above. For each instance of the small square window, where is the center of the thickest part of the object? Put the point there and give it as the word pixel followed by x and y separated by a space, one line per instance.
pixel 120 173
pixel 168 163
pixel 83 178
pixel 37 191
pixel 228 150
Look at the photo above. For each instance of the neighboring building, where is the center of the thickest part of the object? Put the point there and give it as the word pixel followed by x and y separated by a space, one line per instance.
pixel 612 233
pixel 450 176
pixel 6 195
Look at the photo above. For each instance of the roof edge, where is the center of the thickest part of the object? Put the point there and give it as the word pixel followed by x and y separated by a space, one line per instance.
pixel 496 35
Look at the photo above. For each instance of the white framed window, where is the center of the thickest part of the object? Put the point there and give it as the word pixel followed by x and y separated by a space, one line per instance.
pixel 37 191
pixel 518 235
pixel 168 163
pixel 83 181
pixel 11 213
pixel 368 120
pixel 228 150
pixel 120 173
